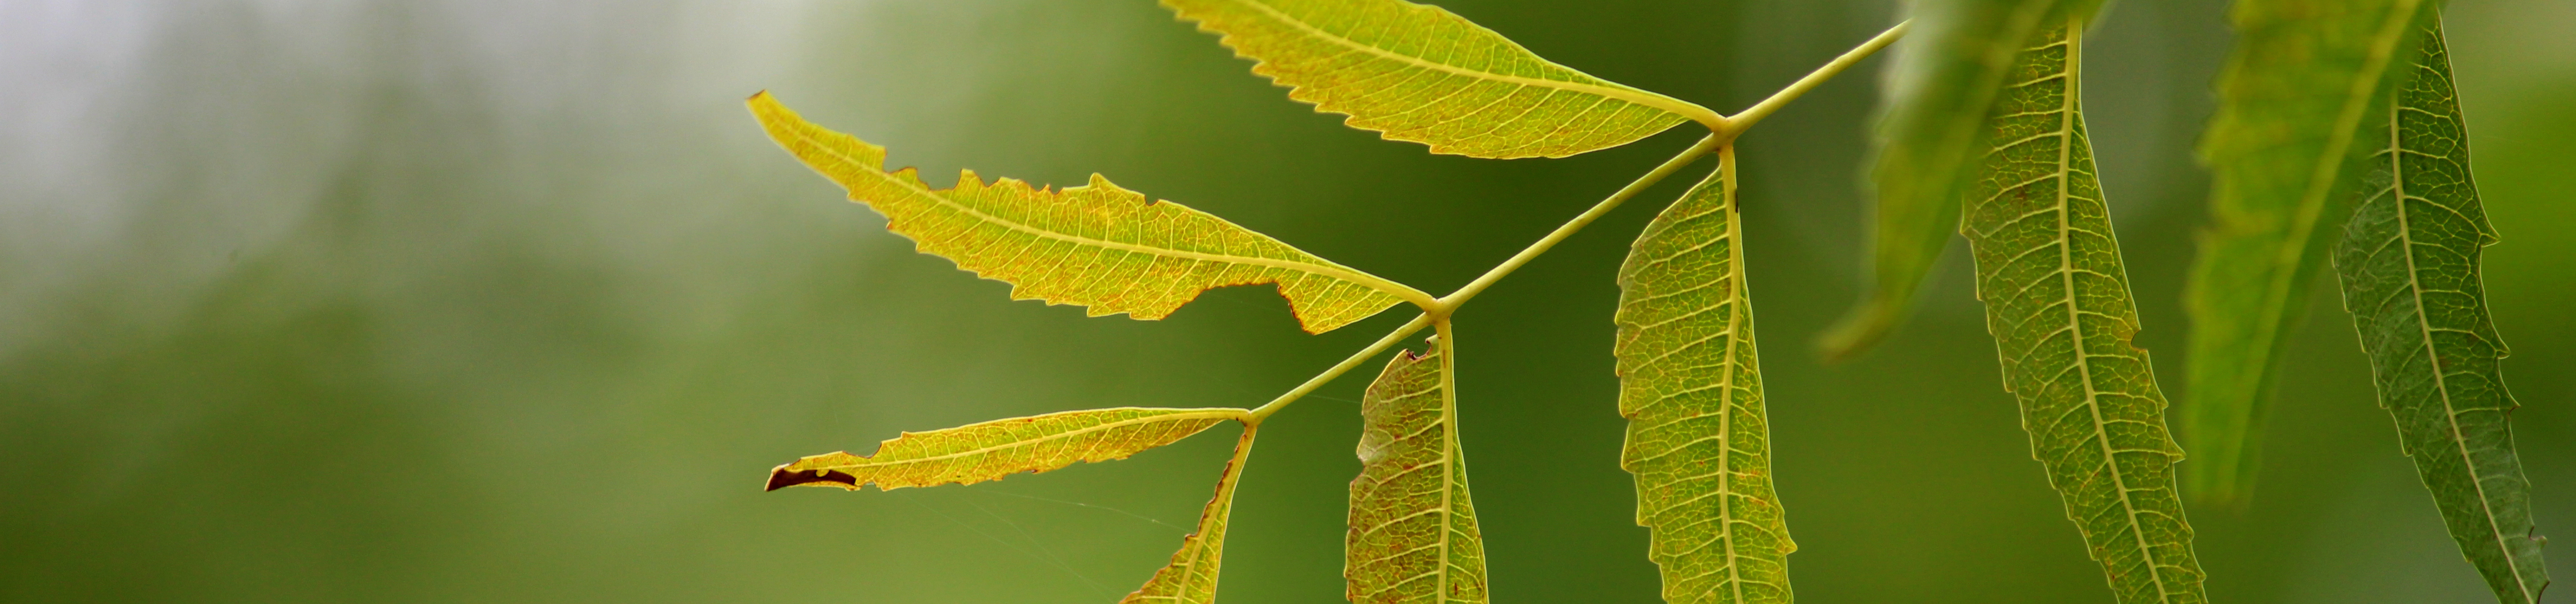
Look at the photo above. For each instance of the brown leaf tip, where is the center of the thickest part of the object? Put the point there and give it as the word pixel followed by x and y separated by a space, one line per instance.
pixel 781 477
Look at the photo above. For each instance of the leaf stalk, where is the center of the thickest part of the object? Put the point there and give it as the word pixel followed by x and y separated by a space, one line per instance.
pixel 1254 417
pixel 1744 120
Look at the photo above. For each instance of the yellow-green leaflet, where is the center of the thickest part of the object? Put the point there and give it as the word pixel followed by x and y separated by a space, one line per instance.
pixel 1691 388
pixel 1098 245
pixel 1939 86
pixel 2291 101
pixel 2409 267
pixel 1413 537
pixel 991 450
pixel 2058 303
pixel 1699 441
pixel 1415 72
pixel 1191 577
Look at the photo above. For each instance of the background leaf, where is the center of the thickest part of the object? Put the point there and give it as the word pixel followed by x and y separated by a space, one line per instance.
pixel 1690 385
pixel 991 450
pixel 2058 303
pixel 2291 99
pixel 1191 577
pixel 2409 267
pixel 1096 245
pixel 1413 536
pixel 1415 72
pixel 1944 77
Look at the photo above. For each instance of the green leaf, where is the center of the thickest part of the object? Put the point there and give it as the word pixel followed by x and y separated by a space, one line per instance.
pixel 991 450
pixel 1413 537
pixel 2290 102
pixel 1699 441
pixel 1415 72
pixel 1098 245
pixel 2058 303
pixel 1944 78
pixel 1191 577
pixel 2409 266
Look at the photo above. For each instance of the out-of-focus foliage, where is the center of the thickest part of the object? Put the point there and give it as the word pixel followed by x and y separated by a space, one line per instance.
pixel 2295 93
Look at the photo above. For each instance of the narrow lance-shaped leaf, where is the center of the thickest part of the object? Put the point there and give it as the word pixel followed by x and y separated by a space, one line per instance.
pixel 2409 266
pixel 1097 245
pixel 1699 440
pixel 1945 76
pixel 1413 536
pixel 2291 101
pixel 1191 577
pixel 991 450
pixel 2058 303
pixel 1415 72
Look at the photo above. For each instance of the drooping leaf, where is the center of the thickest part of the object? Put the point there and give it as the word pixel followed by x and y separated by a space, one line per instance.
pixel 2058 303
pixel 1699 440
pixel 2409 266
pixel 975 453
pixel 1098 245
pixel 2291 100
pixel 1945 76
pixel 1413 536
pixel 1416 72
pixel 1191 577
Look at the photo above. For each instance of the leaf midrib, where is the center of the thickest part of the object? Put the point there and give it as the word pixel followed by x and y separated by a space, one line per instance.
pixel 1217 413
pixel 1326 269
pixel 1686 109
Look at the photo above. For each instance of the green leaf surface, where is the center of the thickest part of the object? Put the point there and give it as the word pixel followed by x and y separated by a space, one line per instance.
pixel 1191 577
pixel 2291 100
pixel 1416 72
pixel 1413 536
pixel 1945 76
pixel 2058 303
pixel 1699 441
pixel 2409 267
pixel 991 450
pixel 1098 246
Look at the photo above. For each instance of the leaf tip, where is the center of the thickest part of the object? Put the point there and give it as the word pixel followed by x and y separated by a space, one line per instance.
pixel 783 476
pixel 1857 332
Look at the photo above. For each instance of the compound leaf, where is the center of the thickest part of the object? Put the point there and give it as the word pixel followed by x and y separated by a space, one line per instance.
pixel 1191 577
pixel 2058 303
pixel 1099 246
pixel 991 450
pixel 1413 536
pixel 2292 99
pixel 2409 267
pixel 1691 388
pixel 1415 72
pixel 1945 76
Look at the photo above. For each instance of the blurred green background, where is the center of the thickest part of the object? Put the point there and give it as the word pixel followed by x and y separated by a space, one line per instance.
pixel 485 301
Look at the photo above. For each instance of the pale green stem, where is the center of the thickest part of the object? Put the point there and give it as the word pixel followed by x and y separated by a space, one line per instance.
pixel 1451 302
pixel 1736 124
pixel 1391 339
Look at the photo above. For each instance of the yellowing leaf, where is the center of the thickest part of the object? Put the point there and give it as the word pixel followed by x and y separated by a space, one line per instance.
pixel 1418 73
pixel 1699 440
pixel 1942 80
pixel 2058 303
pixel 1413 537
pixel 1191 577
pixel 1098 246
pixel 2409 266
pixel 2291 101
pixel 991 450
